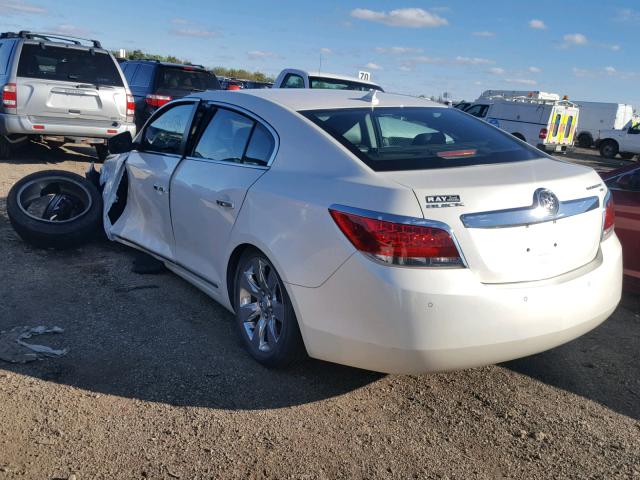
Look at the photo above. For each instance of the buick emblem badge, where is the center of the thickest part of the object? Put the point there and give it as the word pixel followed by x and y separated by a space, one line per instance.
pixel 547 201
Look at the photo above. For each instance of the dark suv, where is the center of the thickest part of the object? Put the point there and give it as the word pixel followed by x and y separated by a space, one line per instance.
pixel 155 83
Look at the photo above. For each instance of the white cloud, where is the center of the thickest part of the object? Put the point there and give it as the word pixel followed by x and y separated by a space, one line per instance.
pixel 575 39
pixel 610 70
pixel 402 17
pixel 397 50
pixel 537 24
pixel 69 29
pixel 472 61
pixel 326 51
pixel 484 33
pixel 194 32
pixel 373 66
pixel 17 7
pixel 260 54
pixel 581 72
pixel 615 48
pixel 534 70
pixel 179 21
pixel 627 15
pixel 497 71
pixel 522 81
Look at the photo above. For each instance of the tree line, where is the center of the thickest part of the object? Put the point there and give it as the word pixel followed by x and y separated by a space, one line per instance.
pixel 219 71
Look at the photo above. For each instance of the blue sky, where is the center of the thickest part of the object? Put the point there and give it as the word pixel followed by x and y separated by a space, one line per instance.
pixel 584 49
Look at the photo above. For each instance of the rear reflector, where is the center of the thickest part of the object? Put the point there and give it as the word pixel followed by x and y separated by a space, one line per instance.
pixel 399 243
pixel 38 127
pixel 131 108
pixel 112 131
pixel 10 97
pixel 157 100
pixel 609 216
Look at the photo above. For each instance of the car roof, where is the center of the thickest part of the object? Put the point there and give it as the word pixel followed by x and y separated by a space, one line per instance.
pixel 167 64
pixel 298 99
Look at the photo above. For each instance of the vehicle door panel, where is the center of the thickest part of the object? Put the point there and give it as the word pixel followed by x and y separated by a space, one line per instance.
pixel 627 207
pixel 209 188
pixel 146 220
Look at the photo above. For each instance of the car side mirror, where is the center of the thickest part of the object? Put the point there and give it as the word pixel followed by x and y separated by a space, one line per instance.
pixel 121 143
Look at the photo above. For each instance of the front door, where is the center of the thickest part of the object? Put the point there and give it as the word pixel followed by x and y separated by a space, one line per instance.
pixel 210 185
pixel 146 220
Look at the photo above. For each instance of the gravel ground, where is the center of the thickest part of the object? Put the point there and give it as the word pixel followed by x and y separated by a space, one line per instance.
pixel 156 385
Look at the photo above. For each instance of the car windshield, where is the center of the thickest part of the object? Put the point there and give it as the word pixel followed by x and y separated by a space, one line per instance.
pixel 339 84
pixel 417 138
pixel 68 64
pixel 186 78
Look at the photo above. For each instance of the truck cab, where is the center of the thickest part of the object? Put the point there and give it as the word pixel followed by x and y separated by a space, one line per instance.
pixel 295 78
pixel 625 142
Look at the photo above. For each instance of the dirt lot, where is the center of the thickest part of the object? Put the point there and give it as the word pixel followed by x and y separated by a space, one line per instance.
pixel 156 385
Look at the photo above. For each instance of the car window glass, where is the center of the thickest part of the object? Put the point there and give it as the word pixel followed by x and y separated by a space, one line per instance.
pixel 68 64
pixel 142 77
pixel 5 49
pixel 225 138
pixel 129 71
pixel 479 111
pixel 416 138
pixel 293 81
pixel 260 146
pixel 629 182
pixel 165 133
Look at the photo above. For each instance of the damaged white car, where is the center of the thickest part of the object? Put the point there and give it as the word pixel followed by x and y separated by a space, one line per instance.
pixel 379 231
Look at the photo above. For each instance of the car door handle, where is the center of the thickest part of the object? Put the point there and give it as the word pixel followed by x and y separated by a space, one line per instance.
pixel 224 203
pixel 159 188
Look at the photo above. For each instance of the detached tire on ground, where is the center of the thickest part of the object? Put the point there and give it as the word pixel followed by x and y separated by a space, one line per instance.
pixel 55 209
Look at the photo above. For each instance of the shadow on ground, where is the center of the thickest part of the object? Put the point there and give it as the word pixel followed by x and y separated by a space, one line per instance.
pixel 603 365
pixel 39 153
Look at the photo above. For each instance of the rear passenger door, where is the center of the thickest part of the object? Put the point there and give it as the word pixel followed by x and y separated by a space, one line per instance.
pixel 232 150
pixel 146 220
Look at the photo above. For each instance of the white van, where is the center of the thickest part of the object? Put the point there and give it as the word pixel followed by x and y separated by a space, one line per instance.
pixel 596 116
pixel 548 124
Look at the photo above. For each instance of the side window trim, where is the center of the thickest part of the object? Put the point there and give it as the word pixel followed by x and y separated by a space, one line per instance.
pixel 257 119
pixel 185 136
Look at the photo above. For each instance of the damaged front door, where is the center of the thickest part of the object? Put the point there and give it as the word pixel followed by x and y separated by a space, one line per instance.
pixel 146 220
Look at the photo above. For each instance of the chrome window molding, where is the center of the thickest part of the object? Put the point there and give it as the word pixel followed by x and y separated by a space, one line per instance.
pixel 531 215
pixel 421 222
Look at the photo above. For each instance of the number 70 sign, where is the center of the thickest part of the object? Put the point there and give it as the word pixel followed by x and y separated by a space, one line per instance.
pixel 365 76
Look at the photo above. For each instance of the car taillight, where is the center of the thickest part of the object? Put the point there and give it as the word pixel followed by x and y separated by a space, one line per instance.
pixel 609 216
pixel 131 108
pixel 10 97
pixel 157 100
pixel 543 133
pixel 399 243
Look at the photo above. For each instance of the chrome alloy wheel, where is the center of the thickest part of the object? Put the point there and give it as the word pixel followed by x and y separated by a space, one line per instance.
pixel 260 304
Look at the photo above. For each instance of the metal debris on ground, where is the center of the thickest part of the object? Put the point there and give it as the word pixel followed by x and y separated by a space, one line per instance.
pixel 14 349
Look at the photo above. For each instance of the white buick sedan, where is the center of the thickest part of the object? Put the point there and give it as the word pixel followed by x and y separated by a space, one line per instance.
pixel 375 230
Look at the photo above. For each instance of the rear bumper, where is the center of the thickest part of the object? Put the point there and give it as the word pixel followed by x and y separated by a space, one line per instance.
pixel 11 124
pixel 401 320
pixel 556 148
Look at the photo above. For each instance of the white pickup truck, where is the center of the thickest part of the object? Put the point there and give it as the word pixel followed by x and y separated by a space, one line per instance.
pixel 295 78
pixel 625 142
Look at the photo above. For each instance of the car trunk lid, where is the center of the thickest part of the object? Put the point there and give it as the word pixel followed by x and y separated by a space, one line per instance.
pixel 499 218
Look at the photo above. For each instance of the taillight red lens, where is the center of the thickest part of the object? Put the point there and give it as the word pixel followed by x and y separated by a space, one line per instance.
pixel 543 133
pixel 398 243
pixel 10 97
pixel 131 108
pixel 609 220
pixel 157 100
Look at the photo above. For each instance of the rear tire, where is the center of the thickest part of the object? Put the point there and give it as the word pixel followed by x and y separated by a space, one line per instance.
pixel 585 140
pixel 55 209
pixel 609 148
pixel 265 318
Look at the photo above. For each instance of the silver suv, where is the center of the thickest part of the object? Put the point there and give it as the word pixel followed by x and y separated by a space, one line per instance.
pixel 60 89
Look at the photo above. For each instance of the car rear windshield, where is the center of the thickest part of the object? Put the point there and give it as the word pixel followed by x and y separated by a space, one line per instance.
pixel 186 78
pixel 68 64
pixel 419 138
pixel 338 84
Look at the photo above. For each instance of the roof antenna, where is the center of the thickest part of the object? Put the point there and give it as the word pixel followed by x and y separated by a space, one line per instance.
pixel 371 97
